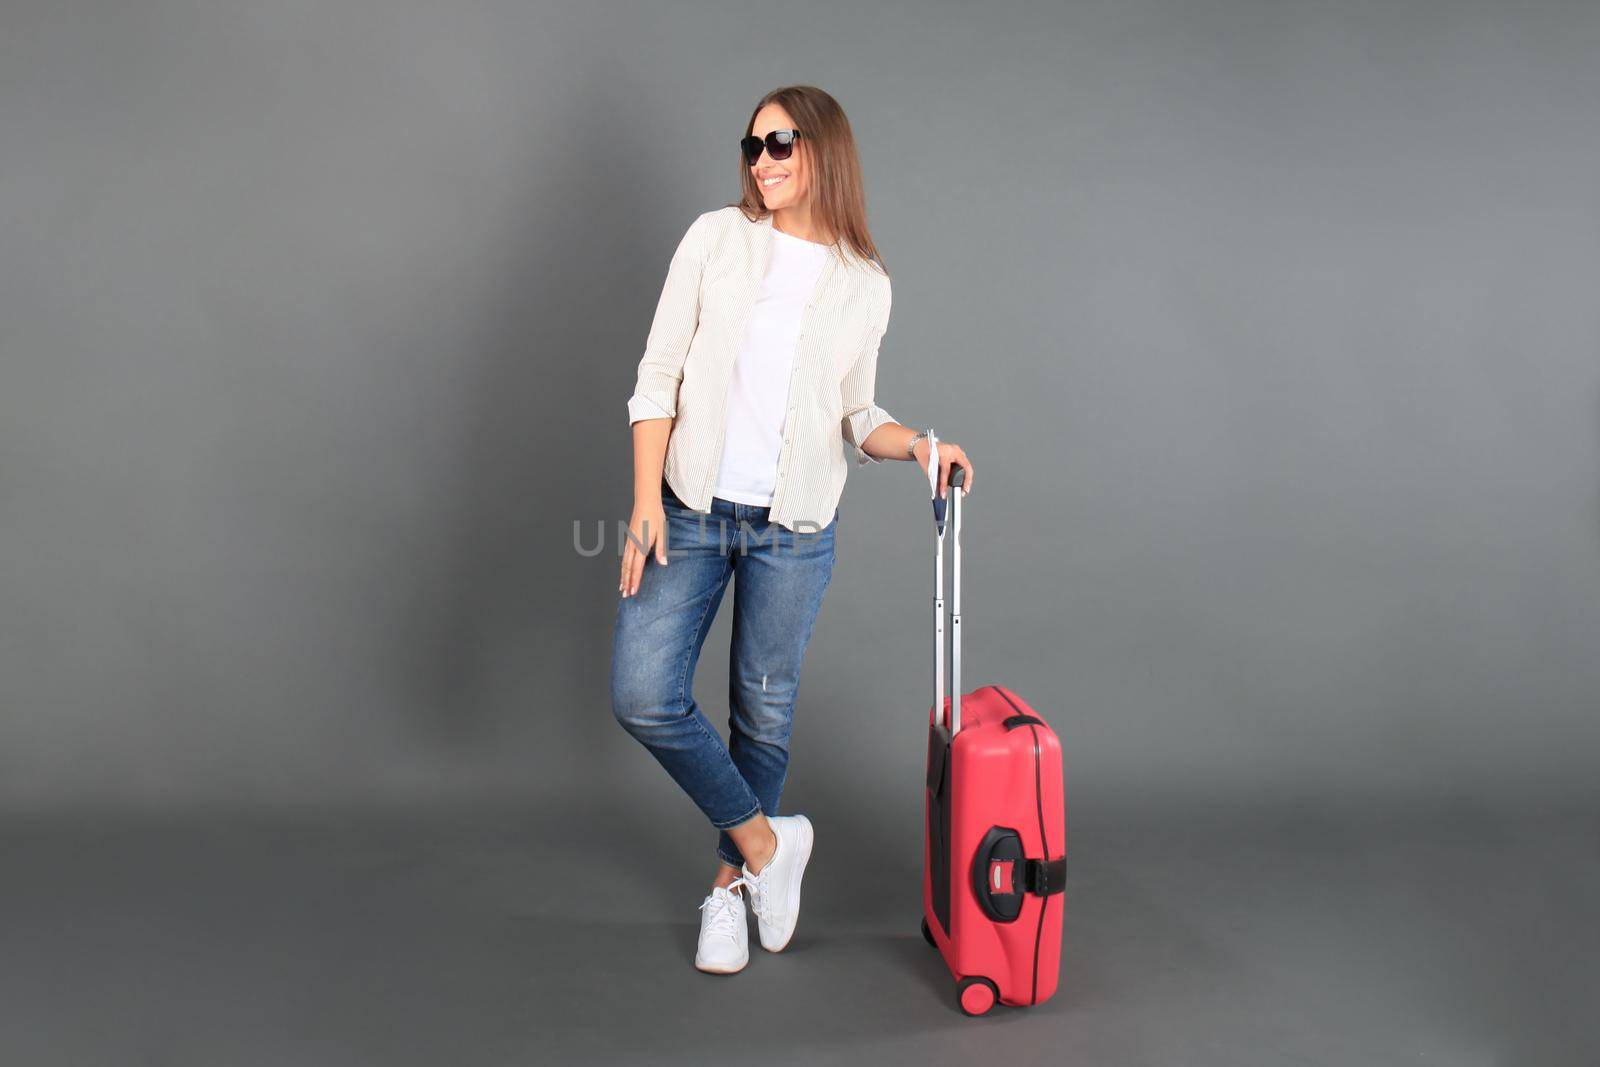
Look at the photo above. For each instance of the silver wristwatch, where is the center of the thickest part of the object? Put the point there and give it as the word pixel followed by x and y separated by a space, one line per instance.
pixel 911 445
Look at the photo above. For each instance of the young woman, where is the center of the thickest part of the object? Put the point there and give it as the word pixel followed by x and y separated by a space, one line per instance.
pixel 759 369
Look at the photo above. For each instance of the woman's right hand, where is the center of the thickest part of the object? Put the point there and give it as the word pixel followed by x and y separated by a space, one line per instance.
pixel 647 532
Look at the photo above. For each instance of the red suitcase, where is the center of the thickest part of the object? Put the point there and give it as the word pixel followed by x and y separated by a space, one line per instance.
pixel 995 833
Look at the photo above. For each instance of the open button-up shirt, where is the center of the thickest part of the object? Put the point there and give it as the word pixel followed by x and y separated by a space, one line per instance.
pixel 712 283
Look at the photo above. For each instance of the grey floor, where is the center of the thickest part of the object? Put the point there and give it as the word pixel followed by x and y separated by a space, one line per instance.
pixel 1197 934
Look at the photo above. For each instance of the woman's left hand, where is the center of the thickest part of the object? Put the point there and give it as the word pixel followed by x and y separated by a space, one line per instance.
pixel 949 452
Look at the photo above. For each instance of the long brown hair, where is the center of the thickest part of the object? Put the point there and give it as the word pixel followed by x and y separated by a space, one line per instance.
pixel 838 202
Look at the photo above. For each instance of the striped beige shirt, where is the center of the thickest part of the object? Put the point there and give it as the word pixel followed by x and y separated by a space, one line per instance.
pixel 712 283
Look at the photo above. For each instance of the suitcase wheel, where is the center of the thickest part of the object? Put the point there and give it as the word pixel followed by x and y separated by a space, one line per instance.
pixel 976 995
pixel 927 934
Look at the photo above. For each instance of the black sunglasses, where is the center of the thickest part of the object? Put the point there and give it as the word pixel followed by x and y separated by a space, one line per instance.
pixel 779 145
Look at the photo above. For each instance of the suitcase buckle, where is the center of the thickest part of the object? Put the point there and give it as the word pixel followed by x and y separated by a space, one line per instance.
pixel 1045 877
pixel 1002 876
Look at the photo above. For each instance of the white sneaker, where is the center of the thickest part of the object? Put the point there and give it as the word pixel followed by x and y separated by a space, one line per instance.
pixel 775 892
pixel 724 932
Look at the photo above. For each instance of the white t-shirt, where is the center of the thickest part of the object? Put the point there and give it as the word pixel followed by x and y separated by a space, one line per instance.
pixel 758 395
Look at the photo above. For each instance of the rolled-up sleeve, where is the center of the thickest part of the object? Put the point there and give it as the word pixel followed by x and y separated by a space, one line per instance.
pixel 856 392
pixel 655 392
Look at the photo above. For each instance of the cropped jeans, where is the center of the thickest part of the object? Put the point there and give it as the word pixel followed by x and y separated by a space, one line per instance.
pixel 779 577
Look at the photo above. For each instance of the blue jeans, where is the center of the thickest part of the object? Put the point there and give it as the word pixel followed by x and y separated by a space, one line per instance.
pixel 656 642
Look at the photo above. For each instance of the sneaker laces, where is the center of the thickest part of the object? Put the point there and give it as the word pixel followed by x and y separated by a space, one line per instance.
pixel 758 892
pixel 721 914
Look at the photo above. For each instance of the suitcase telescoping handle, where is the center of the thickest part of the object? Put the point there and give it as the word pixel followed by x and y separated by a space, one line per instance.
pixel 958 477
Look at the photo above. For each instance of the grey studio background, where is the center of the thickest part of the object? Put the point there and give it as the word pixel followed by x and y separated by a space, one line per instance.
pixel 318 325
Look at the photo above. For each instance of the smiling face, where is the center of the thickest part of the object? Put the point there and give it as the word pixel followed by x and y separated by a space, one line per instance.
pixel 791 190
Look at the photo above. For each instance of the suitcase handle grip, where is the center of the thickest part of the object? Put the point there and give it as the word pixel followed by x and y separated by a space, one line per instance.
pixel 958 477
